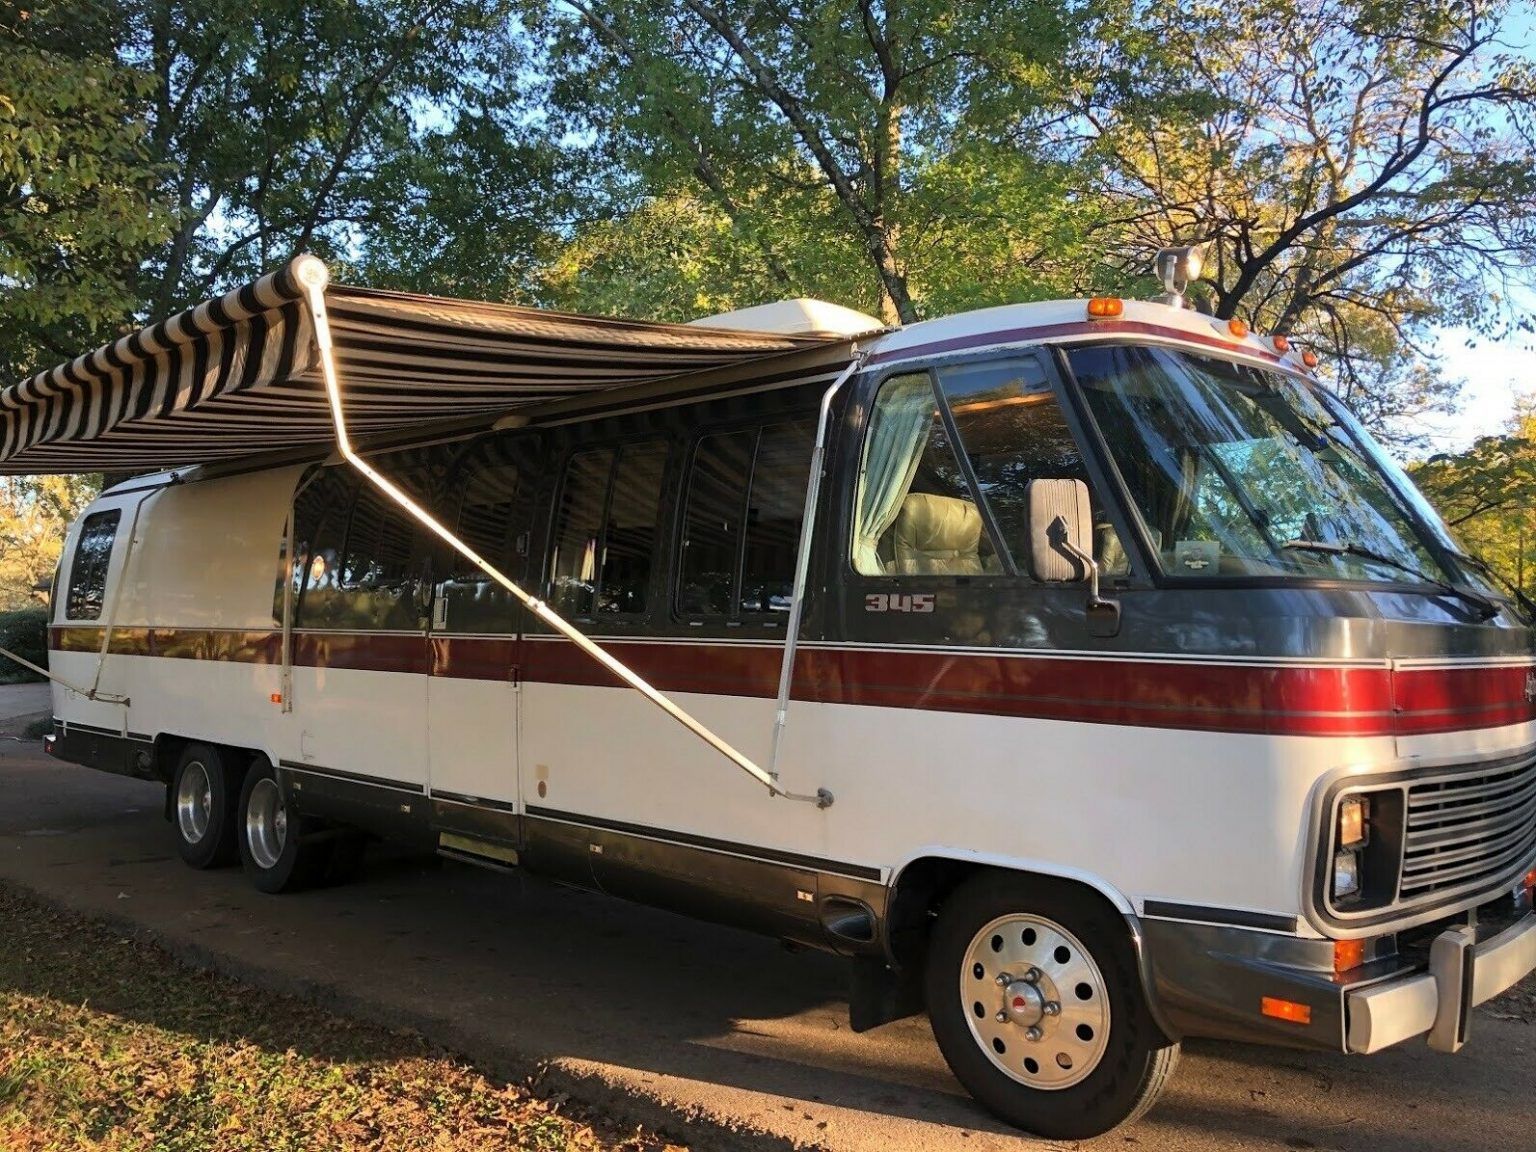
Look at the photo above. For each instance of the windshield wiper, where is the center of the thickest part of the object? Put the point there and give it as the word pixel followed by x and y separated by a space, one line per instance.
pixel 1487 570
pixel 1487 608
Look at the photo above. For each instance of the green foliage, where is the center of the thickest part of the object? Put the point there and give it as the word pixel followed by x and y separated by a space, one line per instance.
pixel 35 513
pixel 23 631
pixel 843 126
pixel 1487 494
pixel 79 209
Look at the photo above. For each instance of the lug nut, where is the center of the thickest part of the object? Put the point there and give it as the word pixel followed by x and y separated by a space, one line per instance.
pixel 1032 976
pixel 1052 1008
pixel 1034 1033
pixel 1001 1017
pixel 1004 980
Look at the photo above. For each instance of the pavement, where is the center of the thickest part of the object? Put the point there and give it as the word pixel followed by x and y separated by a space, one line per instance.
pixel 715 1037
pixel 22 700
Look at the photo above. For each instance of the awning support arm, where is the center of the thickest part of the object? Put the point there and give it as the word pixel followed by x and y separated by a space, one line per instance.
pixel 312 276
pixel 803 561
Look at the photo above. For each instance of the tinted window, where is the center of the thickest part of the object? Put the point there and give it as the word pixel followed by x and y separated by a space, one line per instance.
pixel 711 557
pixel 774 511
pixel 88 573
pixel 741 527
pixel 358 559
pixel 490 481
pixel 605 532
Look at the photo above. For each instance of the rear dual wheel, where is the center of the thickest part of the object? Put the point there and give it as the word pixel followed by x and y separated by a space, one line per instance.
pixel 280 849
pixel 1036 1002
pixel 205 795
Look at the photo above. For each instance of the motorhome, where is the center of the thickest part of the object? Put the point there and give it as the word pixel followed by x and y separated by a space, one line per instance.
pixel 1083 671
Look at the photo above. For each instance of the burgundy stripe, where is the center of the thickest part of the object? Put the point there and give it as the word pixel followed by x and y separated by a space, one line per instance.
pixel 1216 697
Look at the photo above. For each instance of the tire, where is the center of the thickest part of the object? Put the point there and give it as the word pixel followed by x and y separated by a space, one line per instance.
pixel 204 806
pixel 273 848
pixel 1097 1060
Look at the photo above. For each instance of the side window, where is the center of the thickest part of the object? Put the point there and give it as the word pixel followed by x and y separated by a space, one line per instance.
pixel 741 524
pixel 717 486
pixel 1013 431
pixel 605 532
pixel 490 481
pixel 774 511
pixel 915 512
pixel 358 557
pixel 88 573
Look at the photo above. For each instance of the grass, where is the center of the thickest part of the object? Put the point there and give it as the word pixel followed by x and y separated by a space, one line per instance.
pixel 110 1044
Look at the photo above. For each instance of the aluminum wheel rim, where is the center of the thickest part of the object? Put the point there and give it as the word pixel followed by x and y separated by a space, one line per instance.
pixel 266 824
pixel 194 802
pixel 1035 1001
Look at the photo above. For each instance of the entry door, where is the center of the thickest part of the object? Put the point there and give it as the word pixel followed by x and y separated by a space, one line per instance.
pixel 472 693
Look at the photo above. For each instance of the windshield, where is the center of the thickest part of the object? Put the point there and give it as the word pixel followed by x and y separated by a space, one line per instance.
pixel 1236 471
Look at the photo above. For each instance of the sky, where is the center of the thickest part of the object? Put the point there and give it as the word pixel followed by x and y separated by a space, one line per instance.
pixel 1495 372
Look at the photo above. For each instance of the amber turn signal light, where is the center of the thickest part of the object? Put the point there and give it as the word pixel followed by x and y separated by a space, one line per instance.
pixel 1286 1010
pixel 1282 345
pixel 1105 307
pixel 1348 954
pixel 1237 328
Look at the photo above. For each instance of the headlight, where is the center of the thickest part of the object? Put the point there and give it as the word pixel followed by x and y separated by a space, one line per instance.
pixel 1353 812
pixel 1346 873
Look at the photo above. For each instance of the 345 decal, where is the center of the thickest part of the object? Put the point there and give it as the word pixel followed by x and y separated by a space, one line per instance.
pixel 899 602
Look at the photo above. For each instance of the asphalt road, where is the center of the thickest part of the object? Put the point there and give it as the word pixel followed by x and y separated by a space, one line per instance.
pixel 718 1037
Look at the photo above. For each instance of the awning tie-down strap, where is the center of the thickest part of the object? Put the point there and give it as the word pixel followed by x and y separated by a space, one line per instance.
pixel 313 277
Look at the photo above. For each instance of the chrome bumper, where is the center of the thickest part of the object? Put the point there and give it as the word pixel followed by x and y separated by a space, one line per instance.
pixel 1462 974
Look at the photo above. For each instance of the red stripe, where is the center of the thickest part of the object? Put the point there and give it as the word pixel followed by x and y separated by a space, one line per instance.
pixel 1313 700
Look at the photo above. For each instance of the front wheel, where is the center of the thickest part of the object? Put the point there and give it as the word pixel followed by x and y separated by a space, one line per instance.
pixel 1036 1002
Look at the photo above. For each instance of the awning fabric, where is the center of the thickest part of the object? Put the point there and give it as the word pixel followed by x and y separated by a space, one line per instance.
pixel 240 375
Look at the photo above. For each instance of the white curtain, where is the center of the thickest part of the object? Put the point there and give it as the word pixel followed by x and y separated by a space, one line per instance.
pixel 898 432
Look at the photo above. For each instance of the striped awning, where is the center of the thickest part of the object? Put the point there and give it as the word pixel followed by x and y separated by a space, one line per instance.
pixel 240 375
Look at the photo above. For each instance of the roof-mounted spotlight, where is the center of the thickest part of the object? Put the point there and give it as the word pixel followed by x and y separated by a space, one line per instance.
pixel 1177 268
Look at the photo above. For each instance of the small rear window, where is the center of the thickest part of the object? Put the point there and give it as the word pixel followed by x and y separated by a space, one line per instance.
pixel 88 573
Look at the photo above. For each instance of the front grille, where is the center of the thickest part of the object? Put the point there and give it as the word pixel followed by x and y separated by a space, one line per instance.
pixel 1468 831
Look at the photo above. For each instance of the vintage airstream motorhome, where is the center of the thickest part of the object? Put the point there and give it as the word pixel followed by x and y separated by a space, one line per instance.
pixel 1082 670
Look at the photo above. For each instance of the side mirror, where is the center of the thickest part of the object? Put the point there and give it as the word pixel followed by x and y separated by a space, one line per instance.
pixel 1060 523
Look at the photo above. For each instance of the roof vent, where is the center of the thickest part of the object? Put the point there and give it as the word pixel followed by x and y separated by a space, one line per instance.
pixel 800 317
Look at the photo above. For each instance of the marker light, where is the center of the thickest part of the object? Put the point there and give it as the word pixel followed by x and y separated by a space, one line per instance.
pixel 1282 345
pixel 1348 954
pixel 1309 358
pixel 1353 811
pixel 1237 328
pixel 1105 307
pixel 1286 1010
pixel 277 697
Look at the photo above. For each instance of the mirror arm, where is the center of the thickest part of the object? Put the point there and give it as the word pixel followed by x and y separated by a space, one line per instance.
pixel 1103 615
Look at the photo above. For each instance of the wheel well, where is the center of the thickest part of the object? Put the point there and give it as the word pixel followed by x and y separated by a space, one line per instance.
pixel 921 889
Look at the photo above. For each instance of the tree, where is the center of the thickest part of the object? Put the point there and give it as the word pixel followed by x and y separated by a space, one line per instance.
pixel 1487 495
pixel 847 124
pixel 1361 170
pixel 35 513
pixel 338 128
pixel 78 190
